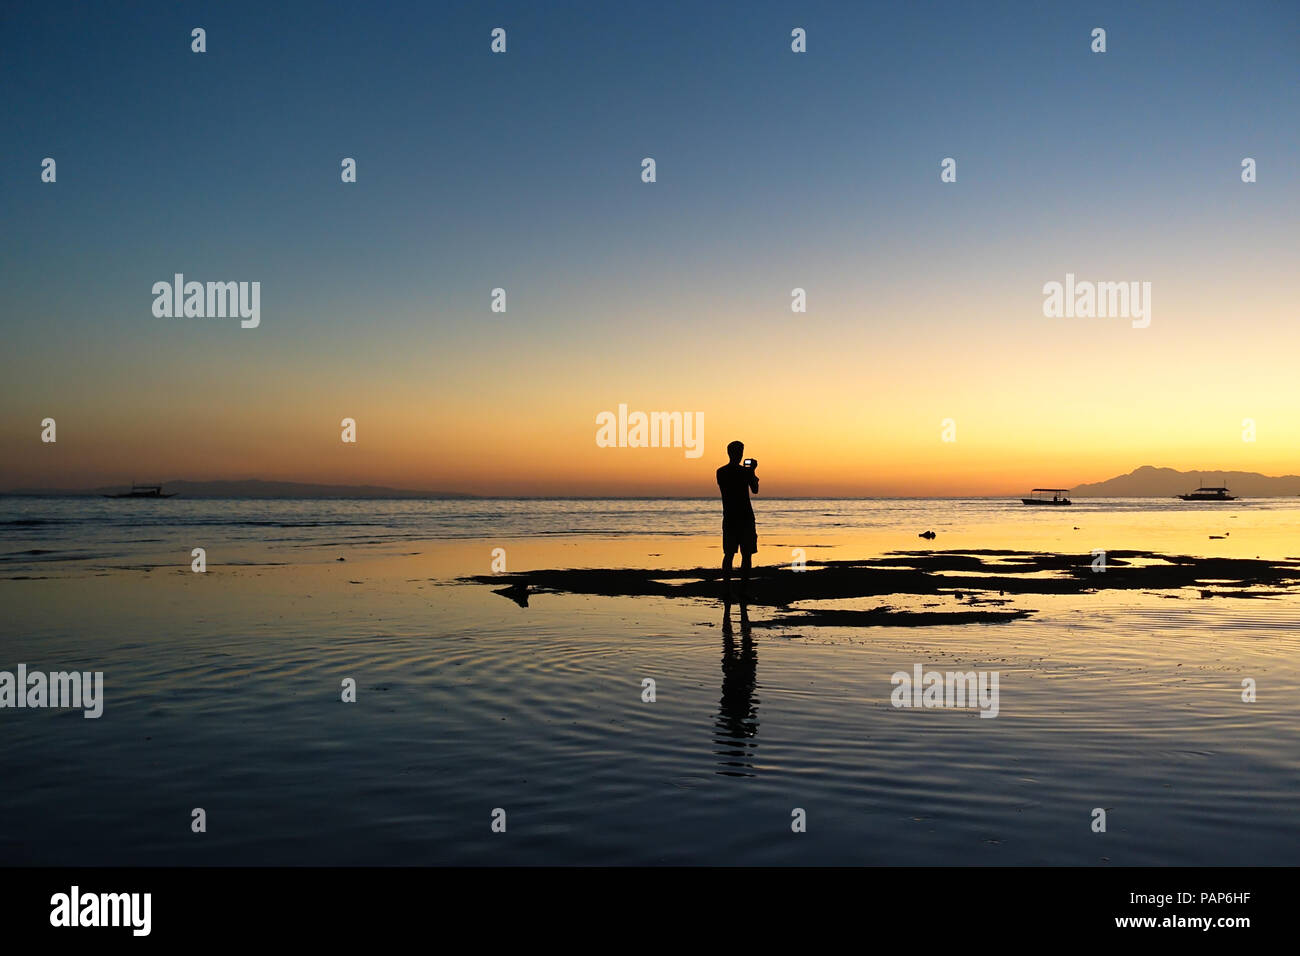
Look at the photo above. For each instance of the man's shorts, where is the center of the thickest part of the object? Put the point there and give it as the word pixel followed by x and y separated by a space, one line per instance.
pixel 739 534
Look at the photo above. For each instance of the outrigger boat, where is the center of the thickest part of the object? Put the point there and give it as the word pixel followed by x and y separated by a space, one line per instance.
pixel 1208 493
pixel 143 491
pixel 1038 496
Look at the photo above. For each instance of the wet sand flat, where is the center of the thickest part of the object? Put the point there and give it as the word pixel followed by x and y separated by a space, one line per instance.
pixel 223 691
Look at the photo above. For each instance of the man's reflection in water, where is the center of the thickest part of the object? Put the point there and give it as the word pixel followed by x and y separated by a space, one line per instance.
pixel 737 722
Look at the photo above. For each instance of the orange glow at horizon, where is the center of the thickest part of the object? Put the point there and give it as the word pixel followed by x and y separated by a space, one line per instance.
pixel 841 404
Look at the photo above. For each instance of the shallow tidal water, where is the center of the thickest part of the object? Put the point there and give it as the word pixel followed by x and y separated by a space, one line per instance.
pixel 222 691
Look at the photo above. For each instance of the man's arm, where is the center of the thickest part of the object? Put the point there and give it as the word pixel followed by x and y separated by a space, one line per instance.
pixel 753 482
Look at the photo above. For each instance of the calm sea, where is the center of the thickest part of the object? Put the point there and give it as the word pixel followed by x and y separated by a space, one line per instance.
pixel 51 530
pixel 223 692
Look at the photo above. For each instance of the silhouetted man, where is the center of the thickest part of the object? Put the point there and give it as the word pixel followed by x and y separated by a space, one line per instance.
pixel 736 480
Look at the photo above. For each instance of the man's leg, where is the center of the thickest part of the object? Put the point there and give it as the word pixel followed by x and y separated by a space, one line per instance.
pixel 748 545
pixel 728 552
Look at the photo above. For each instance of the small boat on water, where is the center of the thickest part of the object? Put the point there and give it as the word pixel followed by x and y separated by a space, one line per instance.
pixel 1206 493
pixel 143 491
pixel 1038 496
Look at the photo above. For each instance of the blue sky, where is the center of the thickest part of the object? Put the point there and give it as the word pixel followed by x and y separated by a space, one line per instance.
pixel 522 170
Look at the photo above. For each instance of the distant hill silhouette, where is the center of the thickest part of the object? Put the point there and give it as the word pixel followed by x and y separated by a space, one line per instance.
pixel 258 489
pixel 1151 482
pixel 1144 482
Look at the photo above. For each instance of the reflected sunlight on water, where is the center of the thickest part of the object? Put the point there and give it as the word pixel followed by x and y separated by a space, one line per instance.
pixel 222 691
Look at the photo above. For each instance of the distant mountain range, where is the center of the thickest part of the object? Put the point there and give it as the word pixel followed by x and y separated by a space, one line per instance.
pixel 256 489
pixel 1144 482
pixel 1150 482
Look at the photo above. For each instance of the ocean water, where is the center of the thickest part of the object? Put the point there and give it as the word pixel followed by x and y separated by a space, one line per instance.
pixel 44 531
pixel 222 692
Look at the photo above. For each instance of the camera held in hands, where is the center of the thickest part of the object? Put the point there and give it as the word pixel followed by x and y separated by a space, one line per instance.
pixel 749 463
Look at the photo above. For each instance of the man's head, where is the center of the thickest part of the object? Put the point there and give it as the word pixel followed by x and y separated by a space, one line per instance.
pixel 734 451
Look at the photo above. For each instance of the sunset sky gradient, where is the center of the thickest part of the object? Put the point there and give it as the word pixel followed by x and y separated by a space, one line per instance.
pixel 775 171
